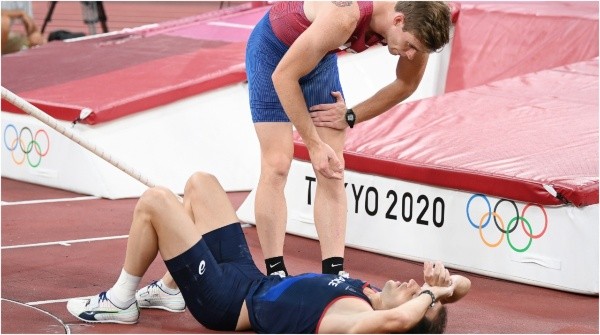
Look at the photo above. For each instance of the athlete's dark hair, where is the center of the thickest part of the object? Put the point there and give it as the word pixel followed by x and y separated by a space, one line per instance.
pixel 435 325
pixel 429 21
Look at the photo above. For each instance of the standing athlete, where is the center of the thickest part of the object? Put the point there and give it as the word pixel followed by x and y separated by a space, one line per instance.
pixel 291 61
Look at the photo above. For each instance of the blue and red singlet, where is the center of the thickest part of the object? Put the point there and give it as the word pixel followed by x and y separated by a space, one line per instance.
pixel 296 304
pixel 288 22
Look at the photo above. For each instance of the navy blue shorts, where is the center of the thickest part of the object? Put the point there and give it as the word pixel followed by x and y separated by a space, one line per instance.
pixel 263 53
pixel 215 275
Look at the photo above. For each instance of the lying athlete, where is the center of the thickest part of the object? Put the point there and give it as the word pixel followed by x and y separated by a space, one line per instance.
pixel 205 250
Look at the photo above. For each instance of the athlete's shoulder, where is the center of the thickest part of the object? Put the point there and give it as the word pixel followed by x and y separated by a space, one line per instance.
pixel 338 11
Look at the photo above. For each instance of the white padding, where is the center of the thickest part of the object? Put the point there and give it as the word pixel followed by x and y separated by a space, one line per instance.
pixel 212 132
pixel 419 222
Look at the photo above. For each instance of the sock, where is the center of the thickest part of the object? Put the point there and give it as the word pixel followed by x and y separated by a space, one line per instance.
pixel 166 288
pixel 122 294
pixel 275 264
pixel 333 265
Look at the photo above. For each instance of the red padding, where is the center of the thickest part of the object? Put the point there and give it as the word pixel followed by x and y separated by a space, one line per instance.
pixel 505 139
pixel 117 75
pixel 500 40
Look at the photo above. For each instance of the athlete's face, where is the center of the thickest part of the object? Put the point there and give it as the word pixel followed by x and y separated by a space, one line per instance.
pixel 402 43
pixel 395 293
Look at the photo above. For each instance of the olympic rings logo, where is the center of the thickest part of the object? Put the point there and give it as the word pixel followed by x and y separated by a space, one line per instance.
pixel 509 229
pixel 24 144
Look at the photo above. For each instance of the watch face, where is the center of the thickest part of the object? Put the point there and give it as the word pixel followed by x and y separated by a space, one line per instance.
pixel 350 117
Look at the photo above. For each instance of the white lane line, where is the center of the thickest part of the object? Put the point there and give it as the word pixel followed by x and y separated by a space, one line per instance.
pixel 67 329
pixel 64 243
pixel 231 25
pixel 46 302
pixel 33 202
pixel 69 242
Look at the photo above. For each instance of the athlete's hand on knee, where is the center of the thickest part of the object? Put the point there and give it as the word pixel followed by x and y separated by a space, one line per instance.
pixel 330 115
pixel 326 162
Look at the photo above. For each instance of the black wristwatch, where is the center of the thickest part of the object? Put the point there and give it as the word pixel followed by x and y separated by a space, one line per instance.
pixel 350 117
pixel 433 299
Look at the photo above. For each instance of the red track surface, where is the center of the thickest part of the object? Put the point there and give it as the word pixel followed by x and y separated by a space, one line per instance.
pixel 37 279
pixel 68 15
pixel 33 277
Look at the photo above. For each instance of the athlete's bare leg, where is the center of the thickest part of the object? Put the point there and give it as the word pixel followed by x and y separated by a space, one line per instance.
pixel 270 207
pixel 330 202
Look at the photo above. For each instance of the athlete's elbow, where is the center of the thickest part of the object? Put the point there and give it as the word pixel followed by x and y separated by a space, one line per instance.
pixel 275 77
pixel 404 89
pixel 410 86
pixel 279 79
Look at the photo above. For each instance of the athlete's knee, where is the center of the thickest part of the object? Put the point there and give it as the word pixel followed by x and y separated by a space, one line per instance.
pixel 153 199
pixel 276 167
pixel 201 184
pixel 330 184
pixel 202 181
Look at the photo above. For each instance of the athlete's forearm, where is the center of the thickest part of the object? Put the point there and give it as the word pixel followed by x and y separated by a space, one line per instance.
pixel 407 315
pixel 382 101
pixel 462 285
pixel 409 73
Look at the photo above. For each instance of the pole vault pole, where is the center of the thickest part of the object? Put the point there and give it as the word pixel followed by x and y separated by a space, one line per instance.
pixel 54 124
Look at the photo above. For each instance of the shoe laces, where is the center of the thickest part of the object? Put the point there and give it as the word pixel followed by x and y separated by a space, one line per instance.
pixel 153 284
pixel 101 297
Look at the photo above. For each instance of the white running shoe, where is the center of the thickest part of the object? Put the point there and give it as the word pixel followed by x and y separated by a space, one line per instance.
pixel 153 296
pixel 99 309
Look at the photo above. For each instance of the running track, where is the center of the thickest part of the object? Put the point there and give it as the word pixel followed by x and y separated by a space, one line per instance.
pixel 58 245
